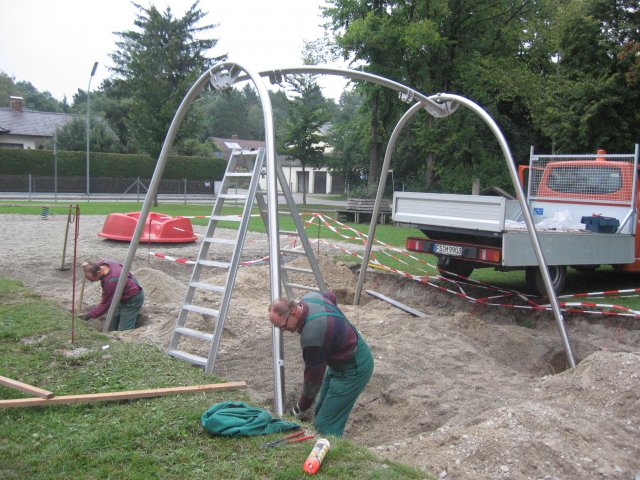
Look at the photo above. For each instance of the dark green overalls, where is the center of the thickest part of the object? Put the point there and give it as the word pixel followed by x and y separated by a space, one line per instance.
pixel 342 384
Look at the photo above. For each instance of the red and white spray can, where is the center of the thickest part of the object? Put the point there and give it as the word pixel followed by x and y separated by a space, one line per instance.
pixel 312 464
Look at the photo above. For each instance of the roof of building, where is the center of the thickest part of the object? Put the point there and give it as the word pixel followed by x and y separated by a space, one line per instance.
pixel 30 123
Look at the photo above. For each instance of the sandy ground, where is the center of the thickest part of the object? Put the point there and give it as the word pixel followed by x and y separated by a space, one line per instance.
pixel 465 393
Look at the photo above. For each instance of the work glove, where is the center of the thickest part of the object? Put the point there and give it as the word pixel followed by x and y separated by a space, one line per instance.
pixel 86 316
pixel 300 414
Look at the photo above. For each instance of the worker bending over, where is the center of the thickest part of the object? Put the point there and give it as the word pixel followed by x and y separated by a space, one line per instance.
pixel 337 360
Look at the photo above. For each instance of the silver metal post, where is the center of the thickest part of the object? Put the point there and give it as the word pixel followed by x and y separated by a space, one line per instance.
pixel 93 72
pixel 376 208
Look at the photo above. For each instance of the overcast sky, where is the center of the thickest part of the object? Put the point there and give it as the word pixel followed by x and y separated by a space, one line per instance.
pixel 54 43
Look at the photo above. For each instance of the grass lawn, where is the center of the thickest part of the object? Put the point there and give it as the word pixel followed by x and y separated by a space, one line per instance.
pixel 138 439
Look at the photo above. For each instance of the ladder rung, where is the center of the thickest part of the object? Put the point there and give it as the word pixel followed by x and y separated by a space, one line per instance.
pixel 203 310
pixel 297 269
pixel 302 287
pixel 240 174
pixel 227 218
pixel 232 196
pixel 190 332
pixel 291 234
pixel 224 241
pixel 194 359
pixel 207 286
pixel 245 152
pixel 213 263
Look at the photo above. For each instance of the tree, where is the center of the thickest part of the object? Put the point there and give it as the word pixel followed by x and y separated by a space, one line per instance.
pixel 154 68
pixel 230 112
pixel 33 99
pixel 73 136
pixel 348 129
pixel 593 97
pixel 445 46
pixel 301 131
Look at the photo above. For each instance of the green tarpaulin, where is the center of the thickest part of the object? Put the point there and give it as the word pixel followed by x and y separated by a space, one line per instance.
pixel 233 419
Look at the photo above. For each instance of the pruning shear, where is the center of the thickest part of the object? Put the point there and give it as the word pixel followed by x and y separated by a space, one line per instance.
pixel 294 437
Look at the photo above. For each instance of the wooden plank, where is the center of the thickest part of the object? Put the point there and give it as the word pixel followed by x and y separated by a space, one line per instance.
pixel 25 387
pixel 395 303
pixel 115 396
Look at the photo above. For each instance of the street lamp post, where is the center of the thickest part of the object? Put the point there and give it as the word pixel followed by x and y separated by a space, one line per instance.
pixel 93 72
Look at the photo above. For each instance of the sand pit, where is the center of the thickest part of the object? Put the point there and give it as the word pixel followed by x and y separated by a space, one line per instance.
pixel 465 393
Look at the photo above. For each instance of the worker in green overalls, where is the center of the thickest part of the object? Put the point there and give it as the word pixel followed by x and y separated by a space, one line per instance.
pixel 337 360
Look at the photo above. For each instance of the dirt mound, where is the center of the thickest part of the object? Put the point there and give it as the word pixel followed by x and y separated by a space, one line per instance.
pixel 465 392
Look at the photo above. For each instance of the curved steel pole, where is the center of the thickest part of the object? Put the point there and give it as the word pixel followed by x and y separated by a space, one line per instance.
pixel 525 212
pixel 228 77
pixel 437 109
pixel 152 191
pixel 376 208
pixel 277 342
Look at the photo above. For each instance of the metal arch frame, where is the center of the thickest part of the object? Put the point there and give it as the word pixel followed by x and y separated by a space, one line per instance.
pixel 519 194
pixel 220 75
pixel 439 106
pixel 228 73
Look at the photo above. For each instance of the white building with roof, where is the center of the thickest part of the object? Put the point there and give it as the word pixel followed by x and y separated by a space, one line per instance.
pixel 27 129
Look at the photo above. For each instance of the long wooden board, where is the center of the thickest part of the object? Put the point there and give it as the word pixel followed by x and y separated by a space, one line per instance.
pixel 114 396
pixel 25 387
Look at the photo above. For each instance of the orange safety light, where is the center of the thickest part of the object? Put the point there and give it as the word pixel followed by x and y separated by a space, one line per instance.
pixel 489 255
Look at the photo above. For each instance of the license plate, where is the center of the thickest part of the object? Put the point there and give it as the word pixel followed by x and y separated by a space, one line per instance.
pixel 451 250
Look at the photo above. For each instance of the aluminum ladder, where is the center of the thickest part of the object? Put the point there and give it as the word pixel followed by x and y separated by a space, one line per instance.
pixel 243 166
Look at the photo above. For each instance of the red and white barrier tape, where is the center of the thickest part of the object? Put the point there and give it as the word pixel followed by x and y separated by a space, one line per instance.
pixel 456 287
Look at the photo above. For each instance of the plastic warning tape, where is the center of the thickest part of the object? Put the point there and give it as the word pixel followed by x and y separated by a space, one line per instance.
pixel 494 300
pixel 185 261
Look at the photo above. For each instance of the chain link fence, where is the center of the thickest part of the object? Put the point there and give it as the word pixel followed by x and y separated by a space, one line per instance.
pixel 35 184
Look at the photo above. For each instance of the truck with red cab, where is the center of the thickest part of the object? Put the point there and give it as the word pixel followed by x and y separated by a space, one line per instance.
pixel 584 208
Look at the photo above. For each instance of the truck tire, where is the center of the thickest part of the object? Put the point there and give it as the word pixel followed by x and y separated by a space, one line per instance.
pixel 448 265
pixel 535 284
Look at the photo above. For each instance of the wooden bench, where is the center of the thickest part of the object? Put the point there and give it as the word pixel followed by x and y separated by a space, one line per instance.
pixel 360 210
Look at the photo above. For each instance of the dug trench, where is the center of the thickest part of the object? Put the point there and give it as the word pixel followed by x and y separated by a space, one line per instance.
pixel 466 392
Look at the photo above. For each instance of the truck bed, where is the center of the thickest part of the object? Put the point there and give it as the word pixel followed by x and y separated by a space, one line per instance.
pixel 468 218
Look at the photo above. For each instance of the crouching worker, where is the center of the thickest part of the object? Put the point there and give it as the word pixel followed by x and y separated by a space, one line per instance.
pixel 108 272
pixel 337 360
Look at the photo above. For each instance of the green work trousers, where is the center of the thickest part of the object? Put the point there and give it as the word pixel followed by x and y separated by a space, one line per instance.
pixel 340 389
pixel 127 312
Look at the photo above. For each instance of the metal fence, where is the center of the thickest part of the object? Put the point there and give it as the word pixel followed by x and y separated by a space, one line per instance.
pixel 597 179
pixel 35 184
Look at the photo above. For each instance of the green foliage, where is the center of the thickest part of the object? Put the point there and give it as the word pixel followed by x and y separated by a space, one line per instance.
pixel 592 99
pixel 155 66
pixel 560 74
pixel 32 98
pixel 307 112
pixel 73 136
pixel 231 112
pixel 40 162
pixel 348 136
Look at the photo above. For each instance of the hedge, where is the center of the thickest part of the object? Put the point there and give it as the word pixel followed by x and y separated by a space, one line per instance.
pixel 42 162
